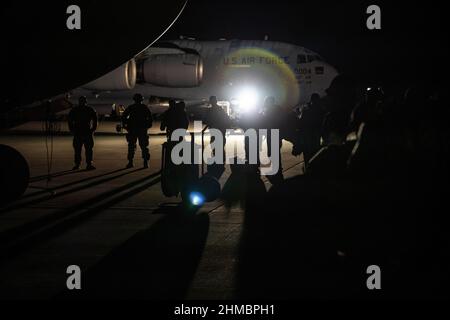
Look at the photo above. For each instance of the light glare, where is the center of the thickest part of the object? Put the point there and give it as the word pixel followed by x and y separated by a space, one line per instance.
pixel 197 199
pixel 247 99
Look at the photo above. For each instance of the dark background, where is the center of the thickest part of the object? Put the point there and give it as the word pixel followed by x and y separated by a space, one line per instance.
pixel 41 56
pixel 411 46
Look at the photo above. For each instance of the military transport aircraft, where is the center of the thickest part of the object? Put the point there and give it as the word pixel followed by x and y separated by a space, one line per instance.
pixel 242 72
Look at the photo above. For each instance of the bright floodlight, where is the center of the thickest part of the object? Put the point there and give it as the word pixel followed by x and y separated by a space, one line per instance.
pixel 247 98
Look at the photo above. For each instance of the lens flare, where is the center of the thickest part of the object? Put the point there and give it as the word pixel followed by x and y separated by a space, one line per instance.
pixel 247 99
pixel 264 70
pixel 196 199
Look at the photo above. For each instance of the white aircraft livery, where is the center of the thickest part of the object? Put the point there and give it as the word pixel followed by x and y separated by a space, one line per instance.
pixel 243 72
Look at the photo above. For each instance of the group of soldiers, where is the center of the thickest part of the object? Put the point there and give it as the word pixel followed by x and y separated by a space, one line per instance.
pixel 304 131
pixel 136 119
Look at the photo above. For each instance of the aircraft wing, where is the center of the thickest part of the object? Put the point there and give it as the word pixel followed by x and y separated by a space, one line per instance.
pixel 42 58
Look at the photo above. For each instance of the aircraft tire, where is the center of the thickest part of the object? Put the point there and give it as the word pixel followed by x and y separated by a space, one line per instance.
pixel 14 174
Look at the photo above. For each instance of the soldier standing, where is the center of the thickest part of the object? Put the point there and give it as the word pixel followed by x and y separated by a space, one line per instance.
pixel 82 122
pixel 274 118
pixel 311 122
pixel 174 118
pixel 137 119
pixel 217 118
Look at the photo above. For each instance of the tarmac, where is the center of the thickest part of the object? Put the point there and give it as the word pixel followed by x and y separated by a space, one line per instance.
pixel 115 224
pixel 107 127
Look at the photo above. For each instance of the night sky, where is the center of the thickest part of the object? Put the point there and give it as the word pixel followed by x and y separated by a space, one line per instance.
pixel 43 58
pixel 411 46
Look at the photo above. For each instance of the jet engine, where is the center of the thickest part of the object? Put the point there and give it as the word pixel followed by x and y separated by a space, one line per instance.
pixel 182 70
pixel 122 78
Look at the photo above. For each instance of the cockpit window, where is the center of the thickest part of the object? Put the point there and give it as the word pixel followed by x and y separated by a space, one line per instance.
pixel 301 58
